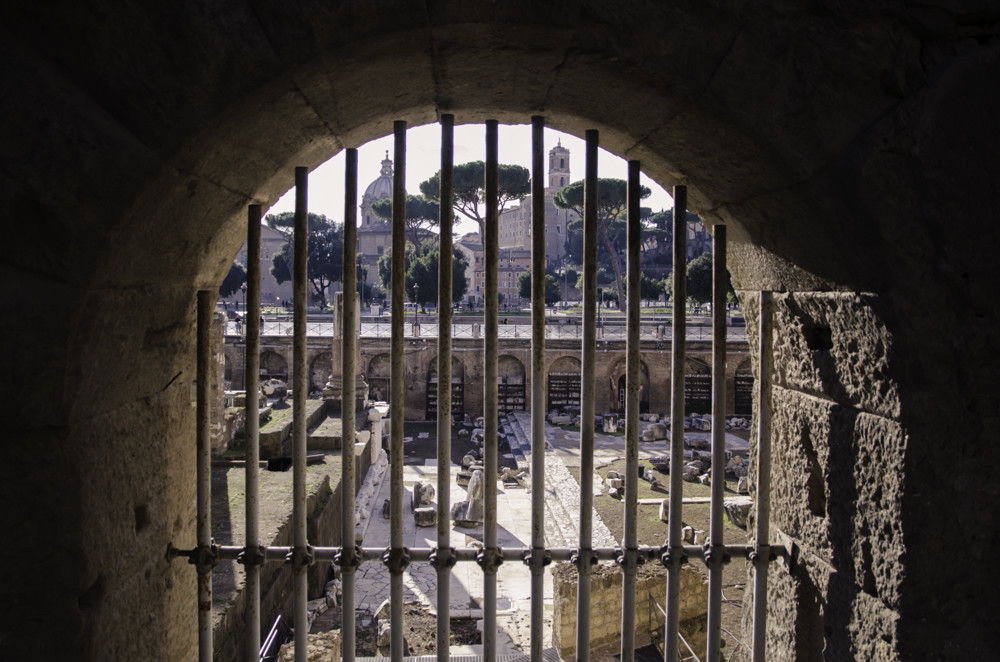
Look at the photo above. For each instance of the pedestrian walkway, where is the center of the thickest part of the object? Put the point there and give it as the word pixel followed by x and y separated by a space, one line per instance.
pixel 562 508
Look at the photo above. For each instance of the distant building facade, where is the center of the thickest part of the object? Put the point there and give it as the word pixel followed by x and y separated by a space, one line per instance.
pixel 374 234
pixel 515 222
pixel 271 293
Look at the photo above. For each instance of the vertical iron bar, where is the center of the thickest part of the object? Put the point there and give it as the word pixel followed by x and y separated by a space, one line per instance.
pixel 491 319
pixel 444 422
pixel 396 408
pixel 631 554
pixel 348 418
pixel 678 351
pixel 251 370
pixel 715 562
pixel 587 404
pixel 762 554
pixel 206 301
pixel 537 385
pixel 300 281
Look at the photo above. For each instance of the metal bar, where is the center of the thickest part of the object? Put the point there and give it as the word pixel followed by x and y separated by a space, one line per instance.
pixel 491 319
pixel 470 554
pixel 674 542
pixel 587 388
pixel 396 409
pixel 206 301
pixel 300 281
pixel 445 223
pixel 719 280
pixel 537 385
pixel 348 380
pixel 763 551
pixel 630 558
pixel 251 363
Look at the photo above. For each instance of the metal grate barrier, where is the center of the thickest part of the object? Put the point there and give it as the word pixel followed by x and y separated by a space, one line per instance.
pixel 252 554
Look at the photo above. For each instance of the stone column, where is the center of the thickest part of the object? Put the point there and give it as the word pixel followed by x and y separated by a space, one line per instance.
pixel 333 391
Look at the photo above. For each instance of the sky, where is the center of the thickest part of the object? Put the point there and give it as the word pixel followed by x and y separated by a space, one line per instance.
pixel 423 147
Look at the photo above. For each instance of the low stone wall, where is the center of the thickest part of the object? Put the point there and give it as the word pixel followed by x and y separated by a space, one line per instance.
pixel 606 606
pixel 323 504
pixel 273 436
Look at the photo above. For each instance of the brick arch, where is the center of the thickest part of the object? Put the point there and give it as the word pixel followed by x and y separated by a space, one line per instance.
pixel 458 387
pixel 319 371
pixel 614 379
pixel 378 375
pixel 273 365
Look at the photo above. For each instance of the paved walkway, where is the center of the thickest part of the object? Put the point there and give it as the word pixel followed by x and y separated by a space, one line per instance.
pixel 513 531
pixel 562 514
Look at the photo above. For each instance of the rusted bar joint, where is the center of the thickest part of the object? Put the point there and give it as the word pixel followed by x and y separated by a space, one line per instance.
pixel 205 557
pixel 716 554
pixel 301 557
pixel 489 559
pixel 531 559
pixel 671 557
pixel 348 557
pixel 443 561
pixel 577 557
pixel 629 559
pixel 251 556
pixel 173 552
pixel 396 559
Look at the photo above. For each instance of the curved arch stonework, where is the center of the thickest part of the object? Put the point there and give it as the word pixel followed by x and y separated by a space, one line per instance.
pixel 378 375
pixel 319 370
pixel 275 365
pixel 849 148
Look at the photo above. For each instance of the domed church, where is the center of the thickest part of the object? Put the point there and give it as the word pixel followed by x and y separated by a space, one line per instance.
pixel 374 234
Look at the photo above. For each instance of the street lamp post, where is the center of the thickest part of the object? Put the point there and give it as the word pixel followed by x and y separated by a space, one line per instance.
pixel 600 300
pixel 243 288
pixel 416 306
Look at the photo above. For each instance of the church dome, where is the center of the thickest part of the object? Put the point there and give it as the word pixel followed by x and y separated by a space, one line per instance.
pixel 382 187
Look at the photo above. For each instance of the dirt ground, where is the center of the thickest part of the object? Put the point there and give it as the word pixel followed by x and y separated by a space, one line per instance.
pixel 420 637
pixel 651 531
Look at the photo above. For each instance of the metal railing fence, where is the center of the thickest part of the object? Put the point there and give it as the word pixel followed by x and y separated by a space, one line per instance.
pixel 300 555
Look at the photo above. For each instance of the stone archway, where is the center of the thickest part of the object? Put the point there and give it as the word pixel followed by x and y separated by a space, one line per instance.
pixel 563 388
pixel 842 145
pixel 379 374
pixel 743 389
pixel 319 371
pixel 617 382
pixel 697 387
pixel 511 389
pixel 457 389
pixel 273 366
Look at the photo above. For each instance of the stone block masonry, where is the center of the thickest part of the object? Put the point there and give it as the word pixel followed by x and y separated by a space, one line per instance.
pixel 606 606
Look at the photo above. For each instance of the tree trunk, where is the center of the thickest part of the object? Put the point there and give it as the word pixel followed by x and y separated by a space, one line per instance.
pixel 615 264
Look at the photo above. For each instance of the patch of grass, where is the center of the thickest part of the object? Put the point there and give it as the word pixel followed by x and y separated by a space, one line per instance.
pixel 650 530
pixel 279 417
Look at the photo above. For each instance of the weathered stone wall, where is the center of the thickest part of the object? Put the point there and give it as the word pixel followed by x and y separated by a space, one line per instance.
pixel 849 147
pixel 421 360
pixel 837 451
pixel 323 523
pixel 606 606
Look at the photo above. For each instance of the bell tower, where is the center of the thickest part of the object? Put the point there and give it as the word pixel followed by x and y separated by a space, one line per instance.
pixel 558 166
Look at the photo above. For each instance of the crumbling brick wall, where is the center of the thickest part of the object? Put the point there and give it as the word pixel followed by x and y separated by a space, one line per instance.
pixel 606 606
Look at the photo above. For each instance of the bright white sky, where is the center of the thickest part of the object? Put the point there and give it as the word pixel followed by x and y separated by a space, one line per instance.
pixel 423 148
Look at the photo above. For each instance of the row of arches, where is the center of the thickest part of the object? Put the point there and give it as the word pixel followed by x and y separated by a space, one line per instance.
pixel 562 388
pixel 274 365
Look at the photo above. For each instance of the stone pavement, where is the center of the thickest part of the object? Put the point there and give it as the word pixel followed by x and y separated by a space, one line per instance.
pixel 562 508
pixel 513 531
